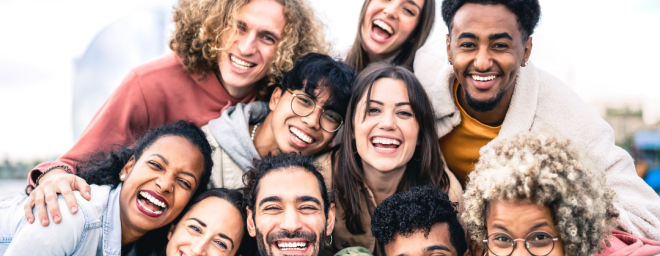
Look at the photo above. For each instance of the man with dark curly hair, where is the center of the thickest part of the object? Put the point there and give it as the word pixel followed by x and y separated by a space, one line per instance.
pixel 290 211
pixel 490 91
pixel 421 221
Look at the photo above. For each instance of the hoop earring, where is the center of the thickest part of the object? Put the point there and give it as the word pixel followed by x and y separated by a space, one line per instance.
pixel 330 243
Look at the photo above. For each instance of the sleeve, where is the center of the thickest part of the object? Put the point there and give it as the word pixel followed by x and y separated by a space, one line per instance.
pixel 637 203
pixel 121 118
pixel 65 238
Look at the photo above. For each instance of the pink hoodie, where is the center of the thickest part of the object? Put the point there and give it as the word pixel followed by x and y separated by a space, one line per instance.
pixel 623 243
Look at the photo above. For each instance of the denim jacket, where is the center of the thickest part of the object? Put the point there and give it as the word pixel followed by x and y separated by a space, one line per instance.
pixel 94 230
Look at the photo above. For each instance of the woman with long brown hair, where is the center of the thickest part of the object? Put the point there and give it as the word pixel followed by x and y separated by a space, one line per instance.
pixel 389 145
pixel 391 31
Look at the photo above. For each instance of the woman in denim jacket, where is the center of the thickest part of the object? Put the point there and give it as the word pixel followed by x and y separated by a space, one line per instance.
pixel 136 190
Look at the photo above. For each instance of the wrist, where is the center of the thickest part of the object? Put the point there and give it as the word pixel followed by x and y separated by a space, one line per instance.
pixel 60 169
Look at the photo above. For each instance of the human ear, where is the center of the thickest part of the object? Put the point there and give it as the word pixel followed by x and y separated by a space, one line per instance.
pixel 448 49
pixel 128 167
pixel 330 223
pixel 250 222
pixel 169 234
pixel 528 51
pixel 275 98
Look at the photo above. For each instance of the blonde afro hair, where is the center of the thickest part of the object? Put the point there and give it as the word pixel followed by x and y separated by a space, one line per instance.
pixel 543 170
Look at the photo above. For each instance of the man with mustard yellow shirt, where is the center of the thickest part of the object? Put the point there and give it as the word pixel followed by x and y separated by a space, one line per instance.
pixel 490 91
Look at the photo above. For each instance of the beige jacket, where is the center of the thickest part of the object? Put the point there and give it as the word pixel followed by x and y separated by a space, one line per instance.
pixel 542 103
pixel 341 238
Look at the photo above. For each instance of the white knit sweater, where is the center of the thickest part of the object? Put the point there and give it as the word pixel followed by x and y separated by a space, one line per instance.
pixel 542 103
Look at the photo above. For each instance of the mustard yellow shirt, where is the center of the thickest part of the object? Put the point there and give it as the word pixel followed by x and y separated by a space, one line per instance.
pixel 460 147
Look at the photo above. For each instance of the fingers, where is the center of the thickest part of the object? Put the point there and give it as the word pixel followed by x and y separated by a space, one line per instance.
pixel 40 204
pixel 29 203
pixel 70 199
pixel 84 188
pixel 53 207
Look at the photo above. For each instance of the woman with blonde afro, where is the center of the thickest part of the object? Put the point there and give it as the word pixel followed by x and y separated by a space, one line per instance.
pixel 534 195
pixel 224 52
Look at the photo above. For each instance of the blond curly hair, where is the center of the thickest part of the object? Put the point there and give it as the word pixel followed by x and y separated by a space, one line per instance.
pixel 201 26
pixel 540 169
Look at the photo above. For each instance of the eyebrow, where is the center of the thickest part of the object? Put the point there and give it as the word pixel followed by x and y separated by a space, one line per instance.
pixel 413 3
pixel 190 174
pixel 468 35
pixel 397 104
pixel 500 36
pixel 270 199
pixel 162 157
pixel 201 223
pixel 267 32
pixel 303 199
pixel 501 227
pixel 437 247
pixel 542 224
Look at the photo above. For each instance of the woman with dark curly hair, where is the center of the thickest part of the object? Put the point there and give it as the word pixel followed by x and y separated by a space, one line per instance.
pixel 389 145
pixel 224 52
pixel 534 194
pixel 136 190
pixel 391 31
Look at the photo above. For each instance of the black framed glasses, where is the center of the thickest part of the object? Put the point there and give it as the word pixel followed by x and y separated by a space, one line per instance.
pixel 303 105
pixel 537 243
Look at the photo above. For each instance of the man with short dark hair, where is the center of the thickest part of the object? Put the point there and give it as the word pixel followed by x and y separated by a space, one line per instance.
pixel 421 221
pixel 490 91
pixel 289 209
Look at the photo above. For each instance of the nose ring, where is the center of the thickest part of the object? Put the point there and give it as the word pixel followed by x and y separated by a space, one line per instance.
pixel 172 189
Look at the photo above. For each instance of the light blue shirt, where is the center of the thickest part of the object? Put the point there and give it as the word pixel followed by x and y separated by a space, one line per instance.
pixel 94 230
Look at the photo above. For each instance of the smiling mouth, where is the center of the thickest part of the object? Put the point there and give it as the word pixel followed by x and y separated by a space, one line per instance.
pixel 240 63
pixel 151 204
pixel 300 136
pixel 385 144
pixel 292 246
pixel 483 78
pixel 382 30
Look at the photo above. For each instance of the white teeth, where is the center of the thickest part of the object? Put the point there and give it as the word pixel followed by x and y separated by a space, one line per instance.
pixel 300 135
pixel 239 63
pixel 385 141
pixel 152 199
pixel 384 26
pixel 483 78
pixel 146 208
pixel 292 246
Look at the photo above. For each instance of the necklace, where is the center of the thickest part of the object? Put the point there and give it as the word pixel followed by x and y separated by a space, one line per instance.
pixel 254 129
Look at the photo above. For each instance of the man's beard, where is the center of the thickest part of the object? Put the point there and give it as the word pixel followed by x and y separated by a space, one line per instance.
pixel 483 106
pixel 265 249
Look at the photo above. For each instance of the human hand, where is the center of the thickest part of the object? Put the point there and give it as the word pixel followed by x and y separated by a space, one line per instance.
pixel 56 181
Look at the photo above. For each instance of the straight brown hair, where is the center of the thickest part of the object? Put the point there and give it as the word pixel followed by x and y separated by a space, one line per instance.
pixel 357 55
pixel 426 165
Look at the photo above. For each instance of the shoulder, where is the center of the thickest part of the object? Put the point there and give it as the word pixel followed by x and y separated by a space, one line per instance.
pixel 161 65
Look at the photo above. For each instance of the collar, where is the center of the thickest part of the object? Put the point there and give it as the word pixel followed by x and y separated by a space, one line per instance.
pixel 112 224
pixel 519 117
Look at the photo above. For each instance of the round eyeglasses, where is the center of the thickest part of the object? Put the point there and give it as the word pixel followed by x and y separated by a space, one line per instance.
pixel 303 105
pixel 537 243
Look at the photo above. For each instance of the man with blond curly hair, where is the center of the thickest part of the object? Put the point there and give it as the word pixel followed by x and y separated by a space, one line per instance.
pixel 224 52
pixel 534 193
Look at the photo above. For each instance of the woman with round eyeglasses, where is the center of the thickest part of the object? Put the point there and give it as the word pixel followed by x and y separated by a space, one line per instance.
pixel 533 195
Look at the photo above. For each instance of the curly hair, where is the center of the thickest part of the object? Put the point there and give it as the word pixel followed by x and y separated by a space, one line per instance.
pixel 270 163
pixel 528 12
pixel 540 169
pixel 417 209
pixel 203 27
